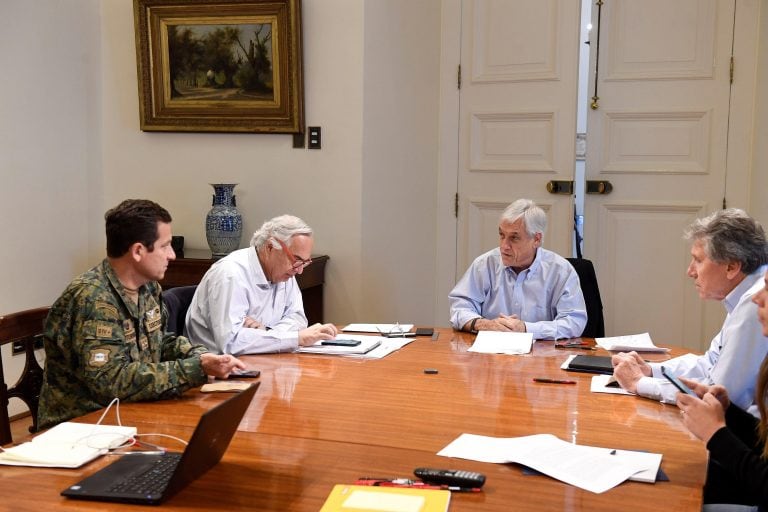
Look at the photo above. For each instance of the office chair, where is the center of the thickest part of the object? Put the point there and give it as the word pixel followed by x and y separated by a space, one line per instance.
pixel 177 301
pixel 24 327
pixel 595 324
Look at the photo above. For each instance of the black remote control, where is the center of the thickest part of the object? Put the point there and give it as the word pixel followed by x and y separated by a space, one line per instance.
pixel 451 477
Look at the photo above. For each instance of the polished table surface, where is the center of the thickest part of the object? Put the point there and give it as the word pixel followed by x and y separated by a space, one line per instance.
pixel 321 420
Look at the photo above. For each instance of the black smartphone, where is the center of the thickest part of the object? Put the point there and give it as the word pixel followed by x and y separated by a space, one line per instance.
pixel 244 374
pixel 424 331
pixel 341 343
pixel 677 383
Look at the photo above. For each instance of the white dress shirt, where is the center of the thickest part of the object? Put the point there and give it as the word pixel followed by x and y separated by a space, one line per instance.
pixel 236 287
pixel 734 356
pixel 546 296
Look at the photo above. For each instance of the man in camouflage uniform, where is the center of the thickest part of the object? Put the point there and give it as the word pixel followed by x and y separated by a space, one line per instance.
pixel 104 337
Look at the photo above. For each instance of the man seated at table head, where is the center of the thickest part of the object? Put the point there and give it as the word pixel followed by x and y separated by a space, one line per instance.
pixel 520 286
pixel 105 335
pixel 249 301
pixel 729 253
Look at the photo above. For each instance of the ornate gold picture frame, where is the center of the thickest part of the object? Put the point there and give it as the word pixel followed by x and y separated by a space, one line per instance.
pixel 219 66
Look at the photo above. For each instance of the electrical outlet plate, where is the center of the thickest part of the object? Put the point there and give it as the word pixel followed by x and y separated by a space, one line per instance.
pixel 314 137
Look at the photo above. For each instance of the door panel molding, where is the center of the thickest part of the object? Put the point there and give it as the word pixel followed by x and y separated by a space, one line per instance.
pixel 679 44
pixel 515 41
pixel 670 142
pixel 512 141
pixel 634 269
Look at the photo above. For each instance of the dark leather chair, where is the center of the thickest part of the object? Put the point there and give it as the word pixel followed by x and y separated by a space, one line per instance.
pixel 24 327
pixel 177 301
pixel 595 324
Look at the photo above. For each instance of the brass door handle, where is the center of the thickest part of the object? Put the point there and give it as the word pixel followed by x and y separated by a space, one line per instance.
pixel 560 187
pixel 598 187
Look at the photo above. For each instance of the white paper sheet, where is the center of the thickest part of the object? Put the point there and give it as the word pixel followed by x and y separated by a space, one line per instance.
pixel 497 342
pixel 600 383
pixel 636 342
pixel 591 468
pixel 378 328
pixel 367 343
pixel 371 347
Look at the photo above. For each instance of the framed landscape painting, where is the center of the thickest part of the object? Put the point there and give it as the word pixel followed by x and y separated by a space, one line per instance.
pixel 219 66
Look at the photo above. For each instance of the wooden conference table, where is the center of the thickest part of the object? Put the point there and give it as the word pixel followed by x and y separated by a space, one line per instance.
pixel 317 421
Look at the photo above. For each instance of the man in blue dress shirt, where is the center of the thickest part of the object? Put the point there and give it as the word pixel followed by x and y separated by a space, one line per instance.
pixel 729 253
pixel 520 286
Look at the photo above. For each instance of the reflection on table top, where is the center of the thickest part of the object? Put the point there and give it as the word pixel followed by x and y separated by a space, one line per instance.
pixel 321 420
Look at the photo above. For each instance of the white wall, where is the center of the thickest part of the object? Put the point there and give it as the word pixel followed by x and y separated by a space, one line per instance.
pixel 321 186
pixel 759 188
pixel 399 188
pixel 370 74
pixel 49 104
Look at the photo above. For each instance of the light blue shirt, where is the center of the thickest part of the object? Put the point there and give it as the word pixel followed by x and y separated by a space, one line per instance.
pixel 546 296
pixel 734 356
pixel 236 287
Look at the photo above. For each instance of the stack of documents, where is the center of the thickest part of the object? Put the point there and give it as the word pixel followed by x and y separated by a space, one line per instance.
pixel 591 468
pixel 636 342
pixel 371 347
pixel 496 342
pixel 367 343
pixel 67 445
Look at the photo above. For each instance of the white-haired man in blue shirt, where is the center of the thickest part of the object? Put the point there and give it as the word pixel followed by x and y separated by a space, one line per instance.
pixel 520 286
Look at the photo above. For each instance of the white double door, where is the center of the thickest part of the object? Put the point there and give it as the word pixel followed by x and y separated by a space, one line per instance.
pixel 659 135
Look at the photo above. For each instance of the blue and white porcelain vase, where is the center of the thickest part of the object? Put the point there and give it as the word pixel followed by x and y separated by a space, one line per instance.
pixel 223 224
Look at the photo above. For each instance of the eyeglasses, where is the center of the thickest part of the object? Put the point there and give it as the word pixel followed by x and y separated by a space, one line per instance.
pixel 296 262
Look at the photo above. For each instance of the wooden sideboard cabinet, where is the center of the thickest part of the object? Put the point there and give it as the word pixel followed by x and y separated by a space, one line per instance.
pixel 189 269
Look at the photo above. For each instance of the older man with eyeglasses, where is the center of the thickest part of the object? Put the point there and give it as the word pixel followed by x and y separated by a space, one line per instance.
pixel 249 301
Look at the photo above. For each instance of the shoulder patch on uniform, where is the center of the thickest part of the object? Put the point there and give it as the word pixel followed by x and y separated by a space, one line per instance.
pixel 99 357
pixel 153 319
pixel 106 309
pixel 103 330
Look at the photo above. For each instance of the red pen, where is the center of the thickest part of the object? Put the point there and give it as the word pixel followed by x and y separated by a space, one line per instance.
pixel 553 381
pixel 413 484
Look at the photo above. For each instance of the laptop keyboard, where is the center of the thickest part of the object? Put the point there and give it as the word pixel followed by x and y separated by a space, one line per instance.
pixel 154 480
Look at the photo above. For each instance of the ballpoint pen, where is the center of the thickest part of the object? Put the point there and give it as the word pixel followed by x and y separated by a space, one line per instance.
pixel 413 484
pixel 577 347
pixel 546 380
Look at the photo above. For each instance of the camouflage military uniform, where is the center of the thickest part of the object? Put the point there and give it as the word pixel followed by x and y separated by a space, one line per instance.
pixel 99 345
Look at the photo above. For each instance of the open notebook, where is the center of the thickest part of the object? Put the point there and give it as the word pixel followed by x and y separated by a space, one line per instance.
pixel 67 445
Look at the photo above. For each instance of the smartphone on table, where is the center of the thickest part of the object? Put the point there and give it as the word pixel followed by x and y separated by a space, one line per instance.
pixel 677 383
pixel 244 374
pixel 340 343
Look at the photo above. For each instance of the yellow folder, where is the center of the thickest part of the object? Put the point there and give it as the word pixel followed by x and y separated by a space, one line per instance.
pixel 366 498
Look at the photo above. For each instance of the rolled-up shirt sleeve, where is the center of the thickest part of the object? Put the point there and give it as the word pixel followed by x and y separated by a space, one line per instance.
pixel 734 356
pixel 235 289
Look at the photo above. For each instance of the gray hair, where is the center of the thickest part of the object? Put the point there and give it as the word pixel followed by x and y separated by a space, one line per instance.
pixel 731 235
pixel 534 217
pixel 281 228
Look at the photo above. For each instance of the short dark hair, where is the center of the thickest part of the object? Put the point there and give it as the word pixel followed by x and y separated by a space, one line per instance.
pixel 731 235
pixel 133 220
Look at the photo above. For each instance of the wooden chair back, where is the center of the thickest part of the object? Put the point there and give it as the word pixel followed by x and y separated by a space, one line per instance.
pixel 23 327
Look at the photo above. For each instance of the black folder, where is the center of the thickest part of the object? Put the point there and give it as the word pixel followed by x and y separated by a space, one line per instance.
pixel 591 364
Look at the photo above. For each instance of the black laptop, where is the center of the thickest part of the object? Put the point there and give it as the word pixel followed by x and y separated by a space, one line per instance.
pixel 150 479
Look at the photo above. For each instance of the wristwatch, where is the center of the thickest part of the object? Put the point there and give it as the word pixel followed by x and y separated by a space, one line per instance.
pixel 472 325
